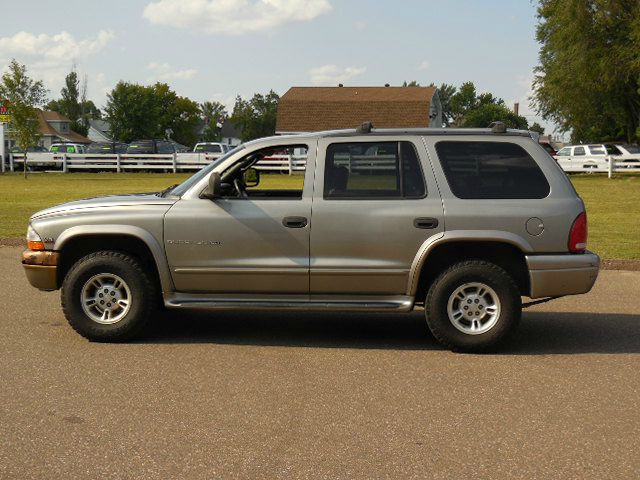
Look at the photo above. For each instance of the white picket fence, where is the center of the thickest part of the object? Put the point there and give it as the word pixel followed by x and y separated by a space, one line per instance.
pixel 178 162
pixel 592 165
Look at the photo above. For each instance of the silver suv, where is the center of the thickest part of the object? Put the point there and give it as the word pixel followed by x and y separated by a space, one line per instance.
pixel 462 223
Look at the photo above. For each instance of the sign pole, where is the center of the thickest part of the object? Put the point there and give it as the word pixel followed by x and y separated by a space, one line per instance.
pixel 2 145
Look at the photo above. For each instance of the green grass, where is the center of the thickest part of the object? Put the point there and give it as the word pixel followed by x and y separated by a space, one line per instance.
pixel 613 205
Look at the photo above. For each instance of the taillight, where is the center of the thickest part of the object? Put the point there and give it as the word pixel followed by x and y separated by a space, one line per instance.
pixel 578 234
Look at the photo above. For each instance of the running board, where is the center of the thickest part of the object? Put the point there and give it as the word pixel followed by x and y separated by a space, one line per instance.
pixel 351 303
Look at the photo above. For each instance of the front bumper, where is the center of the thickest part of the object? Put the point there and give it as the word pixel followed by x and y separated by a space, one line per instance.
pixel 564 274
pixel 41 268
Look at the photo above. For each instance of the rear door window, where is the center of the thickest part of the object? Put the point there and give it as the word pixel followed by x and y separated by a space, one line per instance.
pixel 373 170
pixel 597 150
pixel 491 170
pixel 578 152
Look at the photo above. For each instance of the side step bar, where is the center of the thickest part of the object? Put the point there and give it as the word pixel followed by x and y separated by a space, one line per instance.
pixel 352 303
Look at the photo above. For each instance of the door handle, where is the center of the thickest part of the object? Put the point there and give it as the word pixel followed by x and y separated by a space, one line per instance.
pixel 425 223
pixel 294 222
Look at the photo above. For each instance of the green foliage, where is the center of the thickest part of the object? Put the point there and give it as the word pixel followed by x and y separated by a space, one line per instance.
pixel 446 93
pixel 412 83
pixel 589 74
pixel 73 105
pixel 464 107
pixel 214 114
pixel 136 111
pixel 536 127
pixel 484 114
pixel 256 118
pixel 25 95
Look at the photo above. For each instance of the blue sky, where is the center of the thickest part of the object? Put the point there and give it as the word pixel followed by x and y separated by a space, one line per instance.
pixel 217 49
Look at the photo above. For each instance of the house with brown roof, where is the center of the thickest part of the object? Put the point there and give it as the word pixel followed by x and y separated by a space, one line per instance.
pixel 55 127
pixel 312 109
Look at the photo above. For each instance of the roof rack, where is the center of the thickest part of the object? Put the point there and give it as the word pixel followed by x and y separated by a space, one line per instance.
pixel 498 127
pixel 365 127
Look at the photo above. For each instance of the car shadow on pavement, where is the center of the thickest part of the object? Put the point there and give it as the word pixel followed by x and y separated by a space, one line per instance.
pixel 540 333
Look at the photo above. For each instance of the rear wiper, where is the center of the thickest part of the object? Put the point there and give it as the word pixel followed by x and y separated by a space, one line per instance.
pixel 162 193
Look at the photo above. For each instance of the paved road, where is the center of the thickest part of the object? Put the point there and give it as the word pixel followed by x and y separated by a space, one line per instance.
pixel 320 396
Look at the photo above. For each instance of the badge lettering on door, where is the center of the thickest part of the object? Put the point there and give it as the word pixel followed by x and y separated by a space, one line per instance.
pixel 198 243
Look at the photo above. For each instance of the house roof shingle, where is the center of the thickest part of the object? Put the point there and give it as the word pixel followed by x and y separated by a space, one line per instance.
pixel 46 129
pixel 310 109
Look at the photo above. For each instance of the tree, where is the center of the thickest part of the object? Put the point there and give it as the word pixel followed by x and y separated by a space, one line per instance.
pixel 137 111
pixel 25 95
pixel 536 127
pixel 589 74
pixel 214 114
pixel 73 102
pixel 412 83
pixel 484 114
pixel 446 93
pixel 256 118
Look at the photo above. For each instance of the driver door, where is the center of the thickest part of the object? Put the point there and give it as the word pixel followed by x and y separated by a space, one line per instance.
pixel 255 244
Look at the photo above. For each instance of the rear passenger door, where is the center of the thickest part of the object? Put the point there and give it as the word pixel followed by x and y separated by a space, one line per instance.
pixel 375 203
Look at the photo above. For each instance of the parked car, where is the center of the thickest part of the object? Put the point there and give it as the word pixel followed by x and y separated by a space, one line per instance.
pixel 107 148
pixel 37 149
pixel 210 147
pixel 625 153
pixel 64 147
pixel 17 151
pixel 577 158
pixel 150 147
pixel 462 223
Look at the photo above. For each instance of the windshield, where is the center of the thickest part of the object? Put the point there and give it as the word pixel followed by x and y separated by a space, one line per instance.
pixel 632 148
pixel 189 182
pixel 209 148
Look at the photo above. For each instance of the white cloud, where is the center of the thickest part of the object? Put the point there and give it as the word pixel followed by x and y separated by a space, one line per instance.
pixel 233 17
pixel 52 49
pixel 51 57
pixel 164 71
pixel 424 65
pixel 333 74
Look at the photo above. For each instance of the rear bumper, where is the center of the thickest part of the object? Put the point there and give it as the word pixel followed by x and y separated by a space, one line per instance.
pixel 565 274
pixel 41 269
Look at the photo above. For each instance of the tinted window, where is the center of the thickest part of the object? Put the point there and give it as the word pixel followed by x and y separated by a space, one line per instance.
pixel 99 148
pixel 373 170
pixel 632 148
pixel 143 146
pixel 597 150
pixel 166 147
pixel 491 170
pixel 579 151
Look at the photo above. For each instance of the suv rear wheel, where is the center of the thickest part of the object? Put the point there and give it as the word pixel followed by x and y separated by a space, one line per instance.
pixel 473 306
pixel 108 296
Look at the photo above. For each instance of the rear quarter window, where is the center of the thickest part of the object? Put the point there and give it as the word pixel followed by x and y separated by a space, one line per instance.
pixel 491 170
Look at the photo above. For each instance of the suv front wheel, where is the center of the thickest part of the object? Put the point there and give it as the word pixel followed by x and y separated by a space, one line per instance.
pixel 108 296
pixel 472 306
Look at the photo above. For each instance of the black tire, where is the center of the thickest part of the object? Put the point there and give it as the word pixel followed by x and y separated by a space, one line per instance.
pixel 465 273
pixel 143 300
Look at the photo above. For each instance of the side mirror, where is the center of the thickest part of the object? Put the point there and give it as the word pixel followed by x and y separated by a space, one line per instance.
pixel 214 187
pixel 251 177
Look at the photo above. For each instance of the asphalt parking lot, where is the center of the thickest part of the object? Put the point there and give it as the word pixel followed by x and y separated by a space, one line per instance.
pixel 241 395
